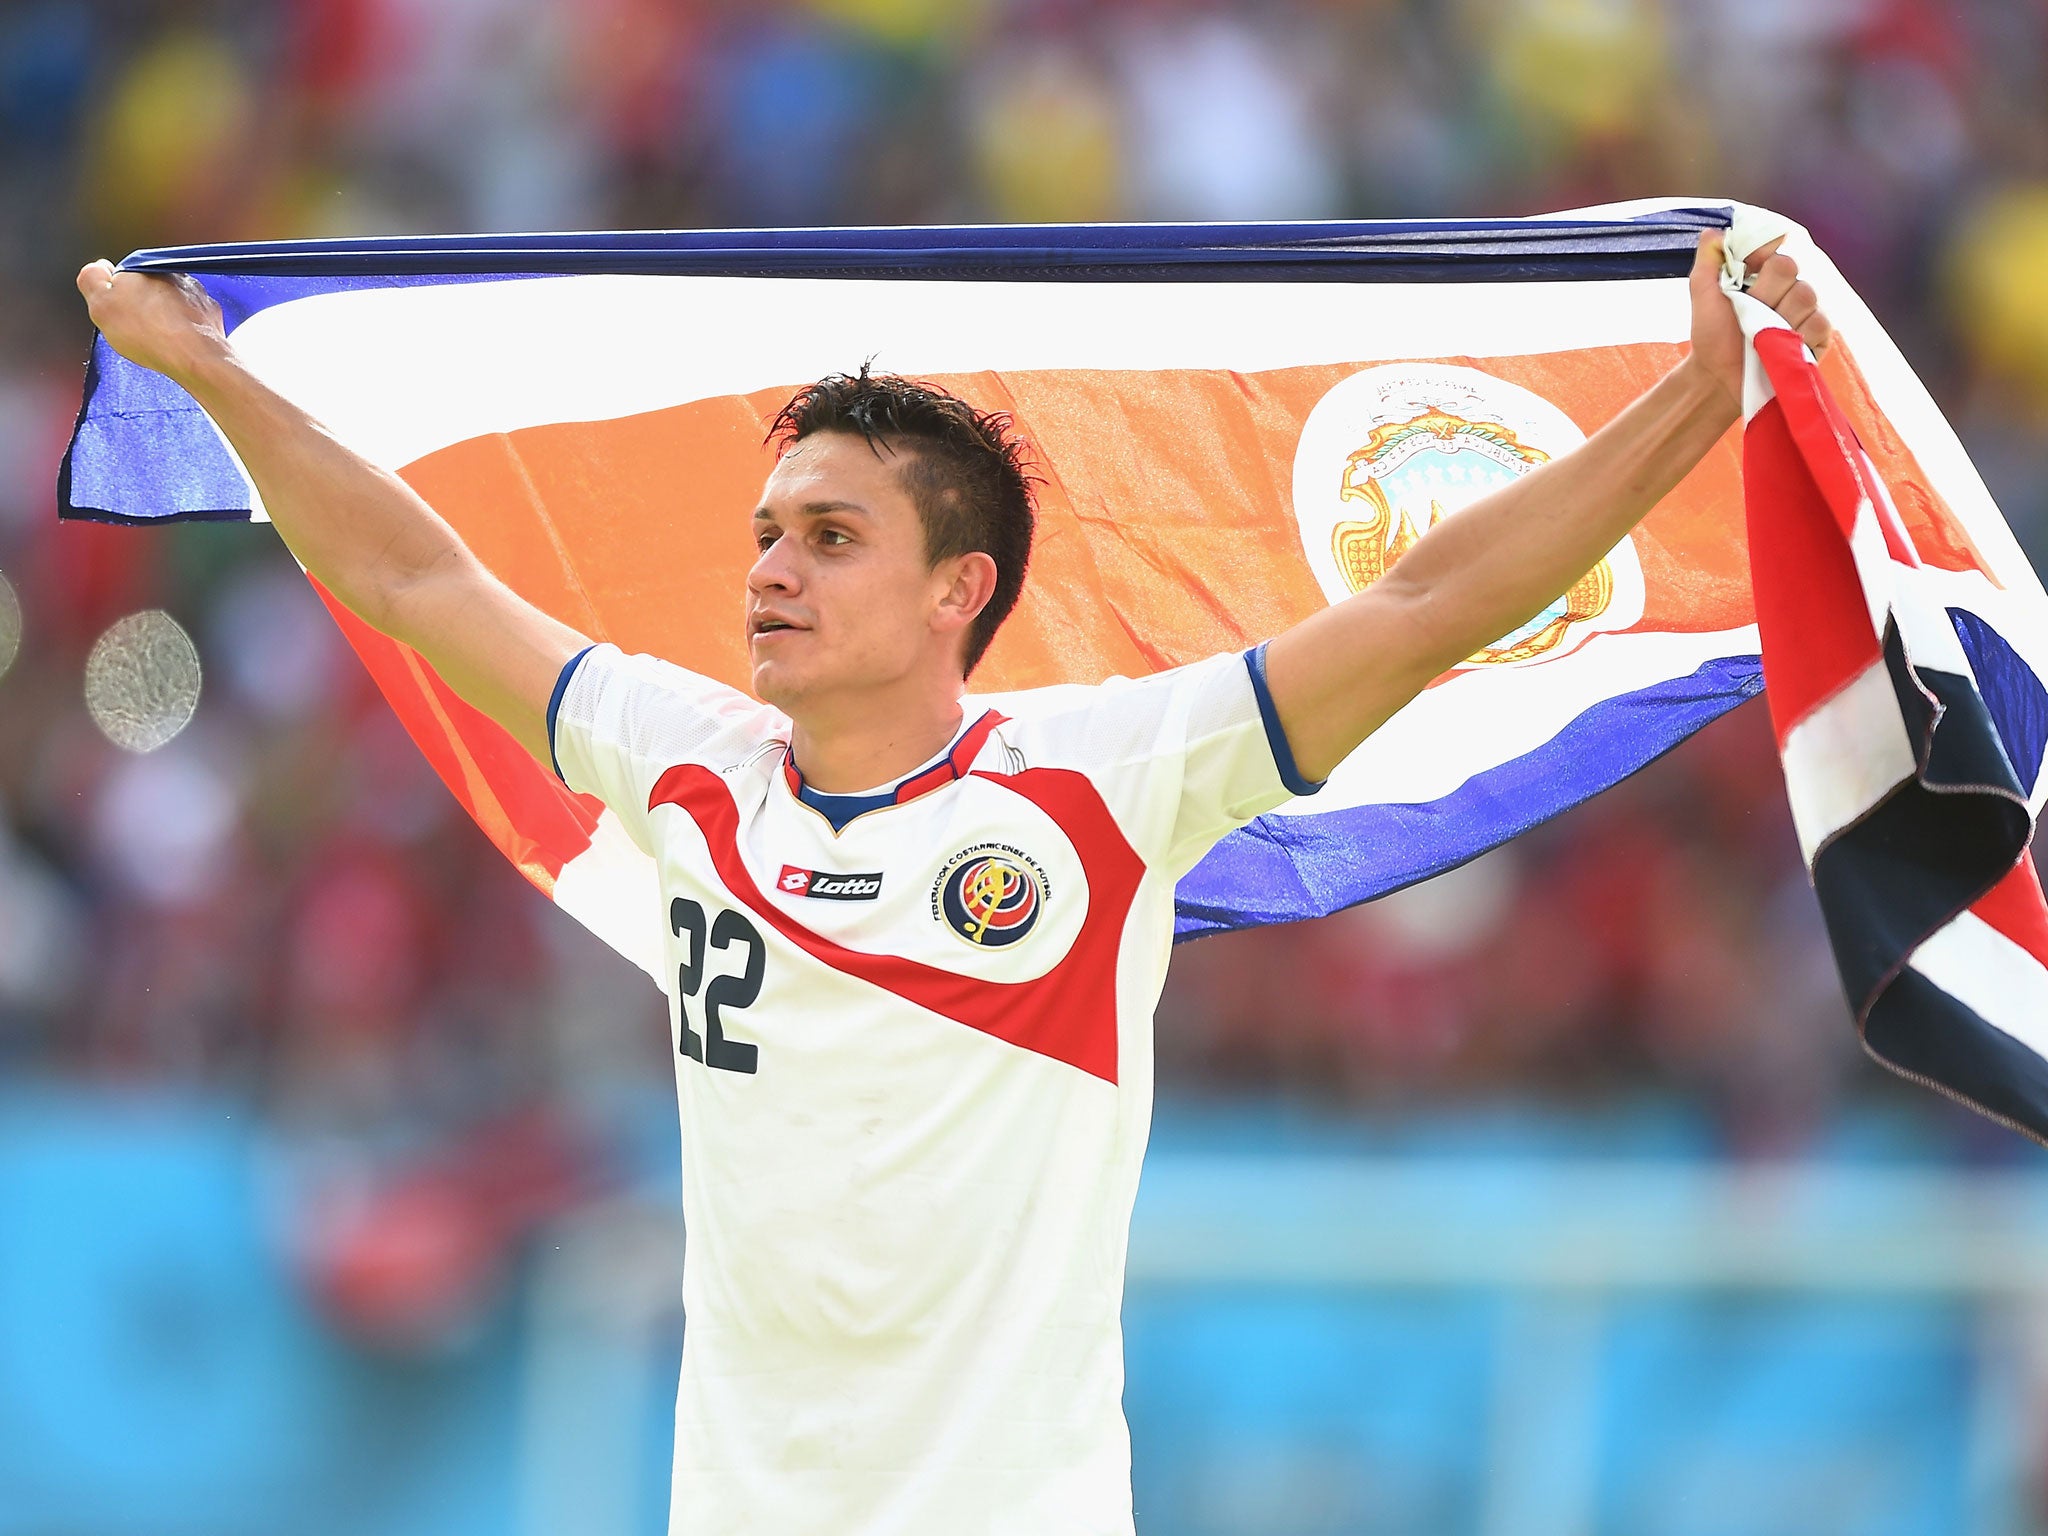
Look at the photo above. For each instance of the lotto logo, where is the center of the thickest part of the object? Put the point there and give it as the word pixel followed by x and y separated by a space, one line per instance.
pixel 828 887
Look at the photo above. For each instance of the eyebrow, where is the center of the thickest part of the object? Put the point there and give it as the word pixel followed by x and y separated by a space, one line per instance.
pixel 814 509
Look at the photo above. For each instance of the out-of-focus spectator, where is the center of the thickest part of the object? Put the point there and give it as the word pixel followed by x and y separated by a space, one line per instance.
pixel 789 112
pixel 1227 116
pixel 1047 141
pixel 175 143
pixel 1998 292
pixel 42 943
pixel 1575 73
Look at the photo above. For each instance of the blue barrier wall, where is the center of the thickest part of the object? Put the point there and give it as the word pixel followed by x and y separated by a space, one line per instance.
pixel 161 1373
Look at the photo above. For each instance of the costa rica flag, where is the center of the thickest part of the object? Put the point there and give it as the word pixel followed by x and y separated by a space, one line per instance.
pixel 1236 424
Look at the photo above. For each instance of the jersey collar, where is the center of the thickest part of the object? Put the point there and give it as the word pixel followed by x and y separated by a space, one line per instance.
pixel 841 809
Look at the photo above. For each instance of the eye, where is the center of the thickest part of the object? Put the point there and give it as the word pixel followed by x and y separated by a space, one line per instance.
pixel 835 536
pixel 764 538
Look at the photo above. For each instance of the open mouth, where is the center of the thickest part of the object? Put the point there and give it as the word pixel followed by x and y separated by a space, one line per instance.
pixel 772 626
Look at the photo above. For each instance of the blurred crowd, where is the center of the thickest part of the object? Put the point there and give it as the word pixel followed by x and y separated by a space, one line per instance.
pixel 284 904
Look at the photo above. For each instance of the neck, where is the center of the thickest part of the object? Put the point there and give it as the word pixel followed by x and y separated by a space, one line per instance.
pixel 844 750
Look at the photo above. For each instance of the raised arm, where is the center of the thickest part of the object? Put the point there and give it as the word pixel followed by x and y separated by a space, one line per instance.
pixel 373 542
pixel 1337 676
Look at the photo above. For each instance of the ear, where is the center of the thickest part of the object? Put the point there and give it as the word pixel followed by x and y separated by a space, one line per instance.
pixel 970 583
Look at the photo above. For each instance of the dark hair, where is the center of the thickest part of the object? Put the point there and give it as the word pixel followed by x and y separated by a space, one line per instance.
pixel 969 479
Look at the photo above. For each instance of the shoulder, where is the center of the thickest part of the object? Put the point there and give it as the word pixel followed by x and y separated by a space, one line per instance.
pixel 1127 716
pixel 1226 672
pixel 605 664
pixel 652 706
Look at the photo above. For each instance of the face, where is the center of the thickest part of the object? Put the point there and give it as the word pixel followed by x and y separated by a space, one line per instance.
pixel 840 599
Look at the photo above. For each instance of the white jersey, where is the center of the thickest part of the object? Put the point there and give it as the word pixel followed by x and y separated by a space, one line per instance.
pixel 914 1066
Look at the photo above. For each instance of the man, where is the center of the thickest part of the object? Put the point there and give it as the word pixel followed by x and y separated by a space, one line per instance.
pixel 916 938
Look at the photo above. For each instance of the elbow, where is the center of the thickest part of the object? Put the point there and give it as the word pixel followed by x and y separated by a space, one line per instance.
pixel 396 596
pixel 380 603
pixel 1434 636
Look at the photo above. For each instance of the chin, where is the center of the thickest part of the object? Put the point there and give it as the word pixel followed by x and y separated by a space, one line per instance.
pixel 778 684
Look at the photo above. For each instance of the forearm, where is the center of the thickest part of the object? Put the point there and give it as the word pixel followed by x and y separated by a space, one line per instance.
pixel 1338 675
pixel 358 527
pixel 1483 573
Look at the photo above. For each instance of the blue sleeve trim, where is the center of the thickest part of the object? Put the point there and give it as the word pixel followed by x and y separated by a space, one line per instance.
pixel 1276 738
pixel 555 702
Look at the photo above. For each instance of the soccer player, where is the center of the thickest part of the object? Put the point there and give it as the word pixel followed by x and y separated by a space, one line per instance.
pixel 915 938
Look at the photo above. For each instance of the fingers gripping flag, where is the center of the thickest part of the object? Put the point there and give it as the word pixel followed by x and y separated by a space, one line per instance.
pixel 1236 426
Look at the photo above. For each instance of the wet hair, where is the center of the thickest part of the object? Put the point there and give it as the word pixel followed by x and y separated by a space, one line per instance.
pixel 968 476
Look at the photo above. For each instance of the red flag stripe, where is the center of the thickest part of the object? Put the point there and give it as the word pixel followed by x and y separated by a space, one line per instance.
pixel 1827 442
pixel 2017 908
pixel 1810 607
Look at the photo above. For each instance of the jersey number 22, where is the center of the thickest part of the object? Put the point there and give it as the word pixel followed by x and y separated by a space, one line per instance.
pixel 729 990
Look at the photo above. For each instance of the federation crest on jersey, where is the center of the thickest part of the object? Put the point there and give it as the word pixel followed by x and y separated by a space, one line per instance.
pixel 1392 451
pixel 990 895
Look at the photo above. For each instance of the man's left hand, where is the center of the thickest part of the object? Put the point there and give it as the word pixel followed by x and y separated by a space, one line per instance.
pixel 1717 335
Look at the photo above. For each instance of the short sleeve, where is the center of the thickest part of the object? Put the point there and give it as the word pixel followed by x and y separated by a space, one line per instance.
pixel 1180 757
pixel 617 722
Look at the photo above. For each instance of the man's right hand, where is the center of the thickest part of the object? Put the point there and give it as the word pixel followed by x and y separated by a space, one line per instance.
pixel 162 321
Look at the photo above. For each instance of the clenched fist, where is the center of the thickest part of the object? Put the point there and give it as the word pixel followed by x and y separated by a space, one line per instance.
pixel 166 322
pixel 1717 345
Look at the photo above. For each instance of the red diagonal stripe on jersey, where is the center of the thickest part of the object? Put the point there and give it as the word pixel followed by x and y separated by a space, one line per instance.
pixel 1068 1014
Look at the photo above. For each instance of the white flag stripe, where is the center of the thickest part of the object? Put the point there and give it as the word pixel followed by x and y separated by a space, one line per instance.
pixel 1873 566
pixel 400 372
pixel 1924 625
pixel 1990 975
pixel 1491 715
pixel 1845 756
pixel 1757 389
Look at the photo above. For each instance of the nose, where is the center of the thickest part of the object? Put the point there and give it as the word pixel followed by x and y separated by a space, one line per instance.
pixel 774 570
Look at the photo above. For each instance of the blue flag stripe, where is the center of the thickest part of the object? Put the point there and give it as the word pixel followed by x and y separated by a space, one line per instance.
pixel 1282 868
pixel 1470 250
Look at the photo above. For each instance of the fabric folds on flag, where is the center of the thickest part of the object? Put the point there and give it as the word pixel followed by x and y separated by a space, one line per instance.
pixel 1236 425
pixel 1911 730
